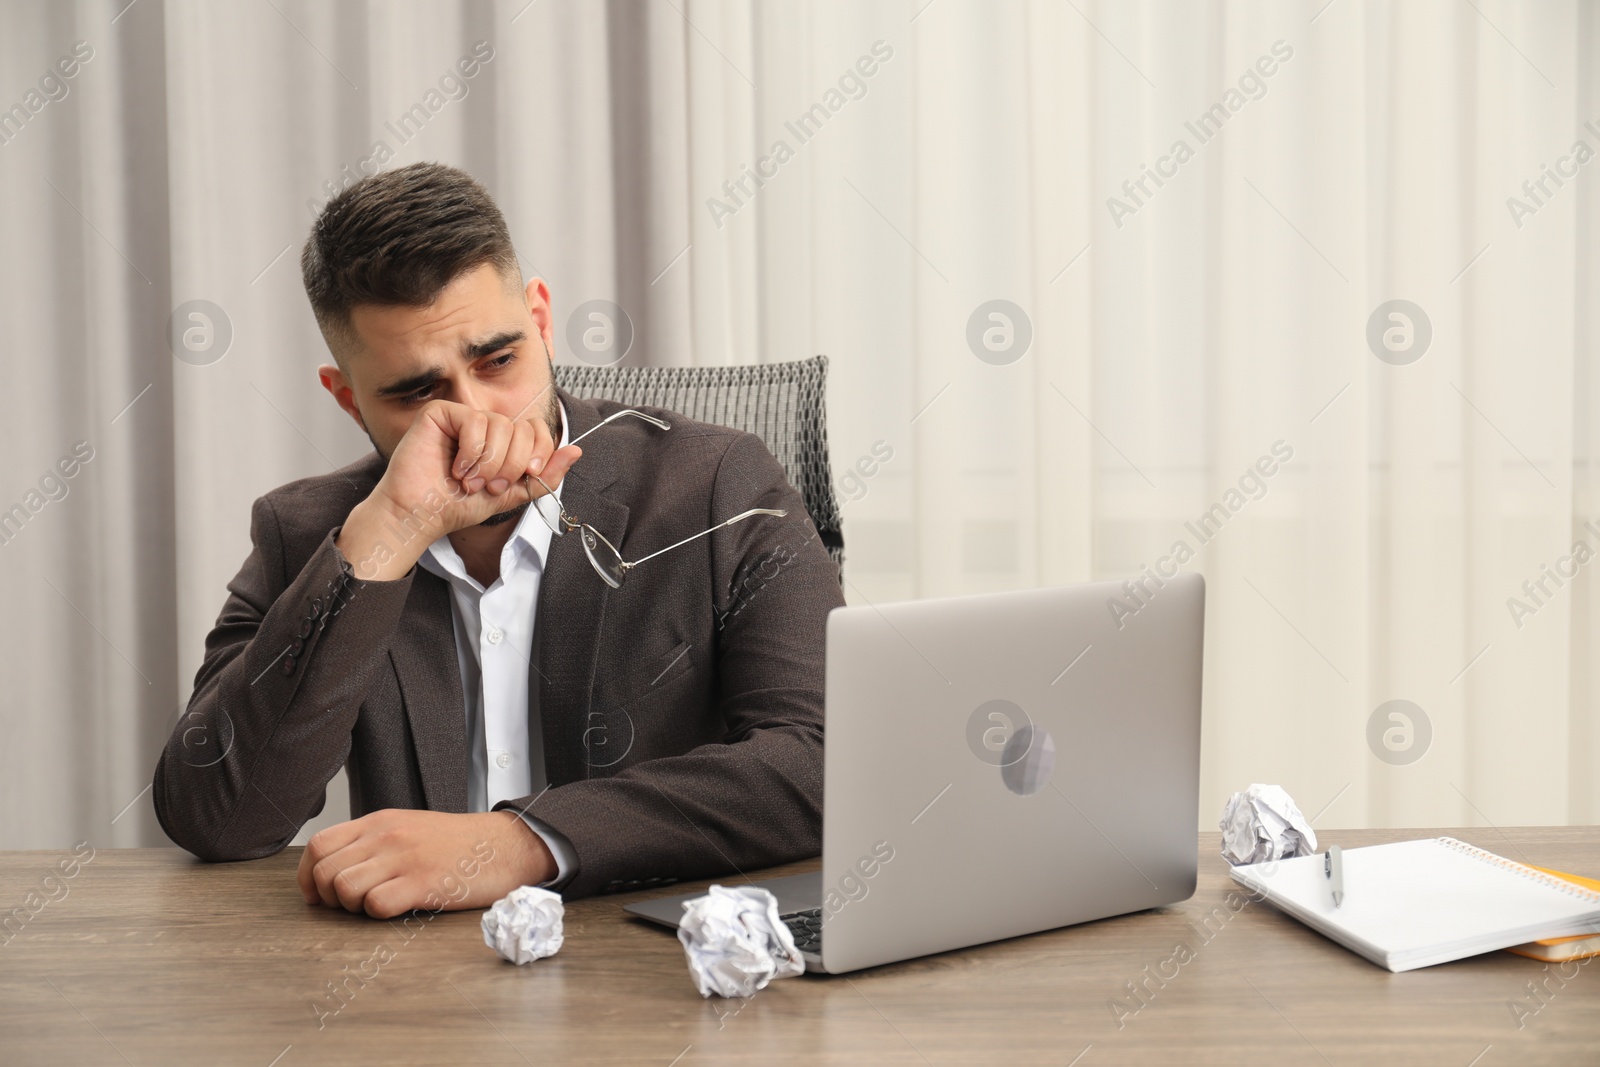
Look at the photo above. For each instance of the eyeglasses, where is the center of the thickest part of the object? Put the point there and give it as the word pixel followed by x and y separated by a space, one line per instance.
pixel 603 555
pixel 613 417
pixel 548 507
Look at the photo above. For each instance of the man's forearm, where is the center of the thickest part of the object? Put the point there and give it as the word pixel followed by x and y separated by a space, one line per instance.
pixel 689 816
pixel 367 539
pixel 274 703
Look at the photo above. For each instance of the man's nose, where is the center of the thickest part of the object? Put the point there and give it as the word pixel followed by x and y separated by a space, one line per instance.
pixel 466 392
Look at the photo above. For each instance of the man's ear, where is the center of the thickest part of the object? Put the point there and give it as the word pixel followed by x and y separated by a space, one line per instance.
pixel 334 381
pixel 538 298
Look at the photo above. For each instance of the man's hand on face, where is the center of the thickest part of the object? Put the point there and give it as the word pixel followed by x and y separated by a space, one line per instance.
pixel 455 467
pixel 391 861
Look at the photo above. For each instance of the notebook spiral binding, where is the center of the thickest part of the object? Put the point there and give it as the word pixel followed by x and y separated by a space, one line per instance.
pixel 1570 888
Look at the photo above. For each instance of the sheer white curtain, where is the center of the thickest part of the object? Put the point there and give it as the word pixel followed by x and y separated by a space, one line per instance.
pixel 935 157
pixel 1366 154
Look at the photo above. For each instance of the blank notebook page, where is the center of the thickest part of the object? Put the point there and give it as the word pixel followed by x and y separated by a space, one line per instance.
pixel 1416 903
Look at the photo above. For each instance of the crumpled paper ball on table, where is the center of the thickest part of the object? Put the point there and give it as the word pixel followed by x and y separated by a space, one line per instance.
pixel 1262 824
pixel 735 941
pixel 524 925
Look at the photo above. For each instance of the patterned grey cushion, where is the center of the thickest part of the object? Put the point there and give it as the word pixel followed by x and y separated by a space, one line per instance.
pixel 781 403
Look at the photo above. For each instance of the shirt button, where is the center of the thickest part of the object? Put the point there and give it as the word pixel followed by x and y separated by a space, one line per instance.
pixel 494 636
pixel 503 760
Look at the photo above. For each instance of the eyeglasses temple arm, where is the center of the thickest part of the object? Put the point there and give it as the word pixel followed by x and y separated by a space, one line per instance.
pixel 779 512
pixel 651 419
pixel 551 493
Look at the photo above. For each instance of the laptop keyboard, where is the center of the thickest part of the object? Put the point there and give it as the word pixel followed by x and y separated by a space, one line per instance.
pixel 806 926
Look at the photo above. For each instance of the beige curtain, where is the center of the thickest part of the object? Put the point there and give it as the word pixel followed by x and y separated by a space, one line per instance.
pixel 1188 315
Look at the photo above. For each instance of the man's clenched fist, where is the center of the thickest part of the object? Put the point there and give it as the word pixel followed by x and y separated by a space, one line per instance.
pixel 394 860
pixel 455 467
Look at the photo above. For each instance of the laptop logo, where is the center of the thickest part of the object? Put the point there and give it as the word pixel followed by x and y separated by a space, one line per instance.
pixel 1000 734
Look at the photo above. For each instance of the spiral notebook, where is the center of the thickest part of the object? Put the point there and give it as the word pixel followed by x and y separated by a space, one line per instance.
pixel 1561 949
pixel 1417 903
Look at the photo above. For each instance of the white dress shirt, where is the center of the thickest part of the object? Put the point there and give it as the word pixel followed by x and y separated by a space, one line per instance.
pixel 494 643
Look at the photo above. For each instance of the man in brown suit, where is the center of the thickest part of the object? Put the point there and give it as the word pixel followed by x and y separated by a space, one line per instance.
pixel 669 728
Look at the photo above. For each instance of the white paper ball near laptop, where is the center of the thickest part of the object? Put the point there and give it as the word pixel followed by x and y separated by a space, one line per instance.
pixel 999 765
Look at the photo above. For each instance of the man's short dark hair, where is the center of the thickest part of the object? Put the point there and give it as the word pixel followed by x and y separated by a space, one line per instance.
pixel 396 239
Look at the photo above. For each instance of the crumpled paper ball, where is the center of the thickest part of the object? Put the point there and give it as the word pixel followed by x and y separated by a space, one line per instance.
pixel 524 925
pixel 735 941
pixel 1262 824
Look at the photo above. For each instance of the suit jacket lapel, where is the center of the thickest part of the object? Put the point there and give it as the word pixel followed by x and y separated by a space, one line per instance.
pixel 572 602
pixel 424 656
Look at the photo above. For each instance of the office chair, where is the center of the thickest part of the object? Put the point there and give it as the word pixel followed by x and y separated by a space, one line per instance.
pixel 781 403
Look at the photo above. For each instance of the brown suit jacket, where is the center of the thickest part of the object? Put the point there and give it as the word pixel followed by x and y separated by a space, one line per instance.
pixel 681 715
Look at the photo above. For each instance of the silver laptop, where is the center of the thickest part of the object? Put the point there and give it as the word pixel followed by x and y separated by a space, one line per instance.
pixel 999 765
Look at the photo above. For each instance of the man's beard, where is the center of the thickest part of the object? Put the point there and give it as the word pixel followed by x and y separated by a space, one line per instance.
pixel 552 419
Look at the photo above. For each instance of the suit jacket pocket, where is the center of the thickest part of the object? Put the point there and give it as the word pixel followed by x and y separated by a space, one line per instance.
pixel 655 672
pixel 644 677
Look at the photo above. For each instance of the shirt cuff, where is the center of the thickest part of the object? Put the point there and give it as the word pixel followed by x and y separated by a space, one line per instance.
pixel 560 848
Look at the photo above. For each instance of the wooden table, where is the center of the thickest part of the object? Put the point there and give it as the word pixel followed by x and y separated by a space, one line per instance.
pixel 151 958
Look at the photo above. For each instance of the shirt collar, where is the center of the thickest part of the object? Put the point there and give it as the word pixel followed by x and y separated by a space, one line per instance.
pixel 530 535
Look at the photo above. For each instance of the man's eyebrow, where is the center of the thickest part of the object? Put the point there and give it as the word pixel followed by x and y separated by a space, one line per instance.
pixel 411 384
pixel 473 350
pixel 470 351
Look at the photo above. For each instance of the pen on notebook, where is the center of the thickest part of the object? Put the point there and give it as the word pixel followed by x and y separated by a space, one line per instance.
pixel 1333 868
